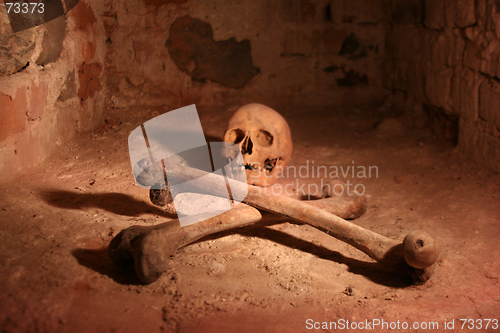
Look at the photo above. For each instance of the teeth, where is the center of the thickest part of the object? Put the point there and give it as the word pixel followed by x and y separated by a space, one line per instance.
pixel 254 167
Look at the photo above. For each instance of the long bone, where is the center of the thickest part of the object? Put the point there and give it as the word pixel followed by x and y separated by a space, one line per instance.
pixel 344 205
pixel 150 247
pixel 419 250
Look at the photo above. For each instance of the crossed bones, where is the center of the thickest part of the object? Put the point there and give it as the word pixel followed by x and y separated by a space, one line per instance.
pixel 151 247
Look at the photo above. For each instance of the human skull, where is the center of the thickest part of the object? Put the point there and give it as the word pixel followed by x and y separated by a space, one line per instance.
pixel 265 141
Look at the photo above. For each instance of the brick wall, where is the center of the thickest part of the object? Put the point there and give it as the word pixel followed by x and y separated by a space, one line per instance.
pixel 308 52
pixel 443 57
pixel 50 85
pixel 438 61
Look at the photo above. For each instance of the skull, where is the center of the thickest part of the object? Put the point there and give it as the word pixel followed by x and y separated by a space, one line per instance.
pixel 265 141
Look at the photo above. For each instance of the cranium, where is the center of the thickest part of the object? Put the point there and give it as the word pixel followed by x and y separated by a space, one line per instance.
pixel 265 141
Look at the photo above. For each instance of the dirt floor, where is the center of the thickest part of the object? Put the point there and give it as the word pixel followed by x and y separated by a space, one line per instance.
pixel 57 221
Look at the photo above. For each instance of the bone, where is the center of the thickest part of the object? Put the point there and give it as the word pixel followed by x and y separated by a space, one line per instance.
pixel 346 206
pixel 378 247
pixel 150 247
pixel 420 248
pixel 265 141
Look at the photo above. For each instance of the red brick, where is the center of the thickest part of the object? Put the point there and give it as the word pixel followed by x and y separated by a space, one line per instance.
pixel 307 11
pixel 331 39
pixel 12 113
pixel 290 11
pixel 109 60
pixel 52 41
pixel 295 42
pixel 89 80
pixel 69 87
pixel 438 86
pixel 38 101
pixel 109 9
pixel 88 51
pixel 84 15
pixel 143 50
pixel 360 11
pixel 110 24
pixel 489 102
pixel 434 14
pixel 161 2
pixel 461 13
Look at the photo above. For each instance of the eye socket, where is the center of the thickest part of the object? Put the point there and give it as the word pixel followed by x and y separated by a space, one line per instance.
pixel 264 138
pixel 235 135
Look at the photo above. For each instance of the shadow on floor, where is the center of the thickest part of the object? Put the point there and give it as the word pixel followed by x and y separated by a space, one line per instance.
pixel 99 261
pixel 121 204
pixel 374 271
pixel 395 277
pixel 116 203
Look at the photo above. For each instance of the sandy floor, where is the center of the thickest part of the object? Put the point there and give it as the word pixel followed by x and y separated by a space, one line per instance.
pixel 56 223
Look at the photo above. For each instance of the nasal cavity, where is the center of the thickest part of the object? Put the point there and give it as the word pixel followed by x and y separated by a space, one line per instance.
pixel 246 147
